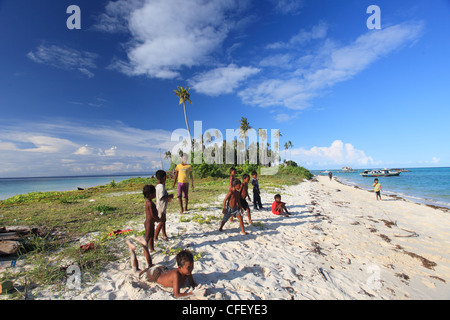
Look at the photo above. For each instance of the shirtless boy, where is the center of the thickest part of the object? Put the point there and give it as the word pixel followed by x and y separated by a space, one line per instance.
pixel 232 174
pixel 232 205
pixel 244 194
pixel 161 274
pixel 151 215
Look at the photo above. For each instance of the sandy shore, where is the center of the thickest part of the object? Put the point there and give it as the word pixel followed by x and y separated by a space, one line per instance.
pixel 340 243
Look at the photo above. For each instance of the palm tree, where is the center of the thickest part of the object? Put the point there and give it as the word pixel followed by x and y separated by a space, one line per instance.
pixel 276 145
pixel 184 95
pixel 244 128
pixel 286 146
pixel 262 146
pixel 290 145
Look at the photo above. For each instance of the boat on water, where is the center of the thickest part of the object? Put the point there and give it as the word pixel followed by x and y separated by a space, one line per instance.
pixel 380 173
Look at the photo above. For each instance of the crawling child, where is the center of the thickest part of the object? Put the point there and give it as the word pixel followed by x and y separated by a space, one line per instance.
pixel 161 274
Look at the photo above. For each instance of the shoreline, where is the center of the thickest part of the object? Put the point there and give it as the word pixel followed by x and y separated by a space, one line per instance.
pixel 395 195
pixel 339 244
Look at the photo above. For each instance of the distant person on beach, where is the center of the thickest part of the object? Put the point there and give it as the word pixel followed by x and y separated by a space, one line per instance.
pixel 232 205
pixel 183 172
pixel 279 207
pixel 256 193
pixel 377 188
pixel 161 274
pixel 151 215
pixel 244 194
pixel 330 175
pixel 162 199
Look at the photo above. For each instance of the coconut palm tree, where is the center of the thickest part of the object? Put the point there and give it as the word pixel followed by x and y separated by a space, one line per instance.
pixel 286 146
pixel 184 95
pixel 244 128
pixel 290 145
pixel 262 146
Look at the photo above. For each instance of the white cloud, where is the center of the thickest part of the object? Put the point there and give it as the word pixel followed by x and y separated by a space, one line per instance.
pixel 303 37
pixel 288 6
pixel 435 160
pixel 313 72
pixel 338 153
pixel 65 58
pixel 221 80
pixel 168 35
pixel 84 150
pixel 64 148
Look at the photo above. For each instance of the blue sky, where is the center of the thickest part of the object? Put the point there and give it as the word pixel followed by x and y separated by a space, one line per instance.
pixel 100 100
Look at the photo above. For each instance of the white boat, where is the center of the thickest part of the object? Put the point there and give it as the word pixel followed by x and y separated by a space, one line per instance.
pixel 380 173
pixel 347 169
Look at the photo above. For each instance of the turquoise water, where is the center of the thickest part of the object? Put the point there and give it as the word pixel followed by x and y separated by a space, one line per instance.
pixel 425 185
pixel 10 187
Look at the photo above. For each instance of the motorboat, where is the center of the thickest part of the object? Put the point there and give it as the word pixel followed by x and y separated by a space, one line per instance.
pixel 380 173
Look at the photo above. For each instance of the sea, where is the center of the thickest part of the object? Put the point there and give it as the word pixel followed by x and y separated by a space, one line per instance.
pixel 10 187
pixel 423 185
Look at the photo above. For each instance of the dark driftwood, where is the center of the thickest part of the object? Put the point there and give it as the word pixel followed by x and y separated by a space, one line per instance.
pixel 12 236
pixel 8 247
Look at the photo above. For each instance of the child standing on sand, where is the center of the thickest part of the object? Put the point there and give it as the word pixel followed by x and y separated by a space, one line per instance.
pixel 151 215
pixel 232 174
pixel 279 207
pixel 162 198
pixel 161 274
pixel 256 193
pixel 232 205
pixel 377 188
pixel 183 172
pixel 244 194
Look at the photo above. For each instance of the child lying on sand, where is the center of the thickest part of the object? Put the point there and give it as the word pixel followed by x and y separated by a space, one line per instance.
pixel 161 274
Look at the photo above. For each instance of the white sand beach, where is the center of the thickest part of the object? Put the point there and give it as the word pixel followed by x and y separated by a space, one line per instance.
pixel 340 243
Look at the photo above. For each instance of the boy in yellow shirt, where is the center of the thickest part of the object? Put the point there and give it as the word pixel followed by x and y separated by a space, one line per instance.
pixel 183 172
pixel 377 188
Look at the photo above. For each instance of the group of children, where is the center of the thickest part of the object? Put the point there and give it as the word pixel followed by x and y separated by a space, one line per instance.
pixel 234 205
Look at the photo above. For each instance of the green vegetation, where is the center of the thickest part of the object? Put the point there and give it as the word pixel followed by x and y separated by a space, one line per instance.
pixel 65 217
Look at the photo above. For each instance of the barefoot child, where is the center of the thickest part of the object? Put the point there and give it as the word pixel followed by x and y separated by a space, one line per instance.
pixel 377 188
pixel 161 274
pixel 233 207
pixel 279 207
pixel 256 194
pixel 162 198
pixel 151 215
pixel 244 194
pixel 232 174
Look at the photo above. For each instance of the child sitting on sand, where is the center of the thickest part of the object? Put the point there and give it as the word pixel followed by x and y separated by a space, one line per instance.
pixel 232 205
pixel 279 207
pixel 377 188
pixel 162 198
pixel 161 274
pixel 151 215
